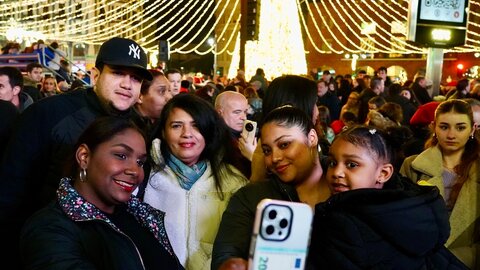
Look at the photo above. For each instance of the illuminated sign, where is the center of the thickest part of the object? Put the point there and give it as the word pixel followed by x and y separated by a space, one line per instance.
pixel 437 23
pixel 442 11
pixel 441 34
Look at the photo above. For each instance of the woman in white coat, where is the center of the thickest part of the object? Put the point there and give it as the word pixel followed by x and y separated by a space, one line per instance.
pixel 196 181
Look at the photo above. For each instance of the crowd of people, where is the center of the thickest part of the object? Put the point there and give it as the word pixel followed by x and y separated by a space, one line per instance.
pixel 149 168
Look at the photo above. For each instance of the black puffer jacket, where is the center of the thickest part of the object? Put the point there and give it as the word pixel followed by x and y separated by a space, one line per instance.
pixel 403 226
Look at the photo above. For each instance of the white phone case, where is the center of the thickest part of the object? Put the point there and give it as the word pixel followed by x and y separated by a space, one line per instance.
pixel 281 235
pixel 249 130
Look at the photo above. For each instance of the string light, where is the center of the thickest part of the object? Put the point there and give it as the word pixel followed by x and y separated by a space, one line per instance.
pixel 159 28
pixel 235 62
pixel 312 42
pixel 403 43
pixel 85 25
pixel 113 18
pixel 234 33
pixel 387 41
pixel 405 9
pixel 358 48
pixel 94 21
pixel 189 28
pixel 201 29
pixel 133 28
pixel 222 33
pixel 372 48
pixel 320 31
pixel 189 24
pixel 381 47
pixel 90 23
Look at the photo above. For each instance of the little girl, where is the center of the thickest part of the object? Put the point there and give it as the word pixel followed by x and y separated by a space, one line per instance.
pixel 375 219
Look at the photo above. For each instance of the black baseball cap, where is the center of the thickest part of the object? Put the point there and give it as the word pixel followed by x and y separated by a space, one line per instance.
pixel 126 53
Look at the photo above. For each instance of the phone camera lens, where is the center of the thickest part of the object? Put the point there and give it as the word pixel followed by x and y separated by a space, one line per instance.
pixel 272 214
pixel 270 229
pixel 283 223
pixel 249 127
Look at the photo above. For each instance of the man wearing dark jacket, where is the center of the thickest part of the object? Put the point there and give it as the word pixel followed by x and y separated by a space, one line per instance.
pixel 419 89
pixel 46 133
pixel 328 99
pixel 9 113
pixel 376 89
pixel 32 81
pixel 233 107
pixel 11 88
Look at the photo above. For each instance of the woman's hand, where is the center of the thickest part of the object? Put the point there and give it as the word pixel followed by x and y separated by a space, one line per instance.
pixel 234 264
pixel 246 148
pixel 259 170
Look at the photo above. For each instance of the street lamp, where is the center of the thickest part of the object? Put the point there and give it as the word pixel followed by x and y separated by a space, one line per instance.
pixel 212 42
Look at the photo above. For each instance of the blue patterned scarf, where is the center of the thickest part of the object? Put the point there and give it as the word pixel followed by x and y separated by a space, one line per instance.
pixel 186 175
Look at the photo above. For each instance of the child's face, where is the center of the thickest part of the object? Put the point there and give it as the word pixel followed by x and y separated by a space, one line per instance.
pixel 352 167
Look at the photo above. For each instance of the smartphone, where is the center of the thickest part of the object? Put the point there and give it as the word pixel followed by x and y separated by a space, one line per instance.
pixel 281 235
pixel 249 130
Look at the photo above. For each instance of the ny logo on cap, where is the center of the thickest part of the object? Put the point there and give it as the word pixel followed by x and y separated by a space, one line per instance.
pixel 136 51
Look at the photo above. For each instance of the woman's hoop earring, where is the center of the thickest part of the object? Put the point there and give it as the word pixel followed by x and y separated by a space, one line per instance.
pixel 83 175
pixel 472 137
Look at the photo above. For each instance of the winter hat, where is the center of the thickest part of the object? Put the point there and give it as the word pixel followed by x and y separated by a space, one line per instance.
pixel 425 114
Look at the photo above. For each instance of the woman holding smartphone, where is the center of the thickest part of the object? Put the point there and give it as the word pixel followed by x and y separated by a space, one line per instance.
pixel 289 143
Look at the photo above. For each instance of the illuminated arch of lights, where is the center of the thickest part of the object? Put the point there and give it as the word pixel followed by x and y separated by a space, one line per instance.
pixel 330 26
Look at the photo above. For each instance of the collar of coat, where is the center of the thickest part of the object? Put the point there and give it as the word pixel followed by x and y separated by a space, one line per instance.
pixel 79 209
pixel 429 162
pixel 464 213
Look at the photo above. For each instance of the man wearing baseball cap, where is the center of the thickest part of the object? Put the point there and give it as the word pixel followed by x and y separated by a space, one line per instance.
pixel 45 134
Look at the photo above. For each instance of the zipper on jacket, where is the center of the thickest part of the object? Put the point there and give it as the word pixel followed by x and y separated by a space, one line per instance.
pixel 288 194
pixel 122 233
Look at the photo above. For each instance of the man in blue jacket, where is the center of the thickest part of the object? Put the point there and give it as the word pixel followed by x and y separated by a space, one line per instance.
pixel 46 132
